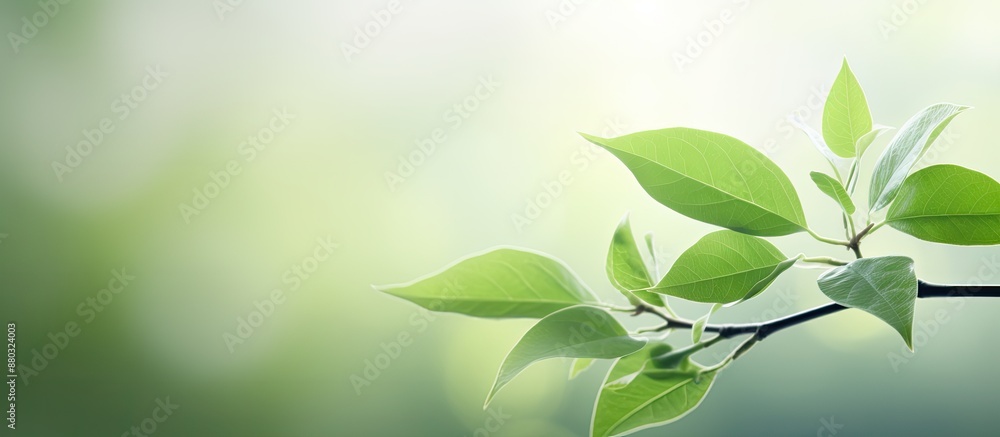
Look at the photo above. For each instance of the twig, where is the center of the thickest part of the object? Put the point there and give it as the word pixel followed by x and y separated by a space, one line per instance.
pixel 925 290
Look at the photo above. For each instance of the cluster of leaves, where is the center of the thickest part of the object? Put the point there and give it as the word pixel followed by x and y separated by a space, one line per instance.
pixel 721 180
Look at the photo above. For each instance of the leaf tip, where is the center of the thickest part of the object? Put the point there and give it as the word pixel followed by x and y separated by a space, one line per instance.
pixel 390 289
pixel 958 108
pixel 497 385
pixel 624 222
pixel 489 398
pixel 600 141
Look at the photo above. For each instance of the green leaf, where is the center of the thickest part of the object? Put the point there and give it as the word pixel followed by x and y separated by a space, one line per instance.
pixel 580 365
pixel 577 332
pixel 905 150
pixel 504 282
pixel 885 287
pixel 698 328
pixel 948 204
pixel 626 269
pixel 846 117
pixel 817 140
pixel 633 399
pixel 724 267
pixel 652 256
pixel 867 139
pixel 833 188
pixel 711 177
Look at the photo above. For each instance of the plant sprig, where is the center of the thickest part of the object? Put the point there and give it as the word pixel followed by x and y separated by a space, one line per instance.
pixel 720 180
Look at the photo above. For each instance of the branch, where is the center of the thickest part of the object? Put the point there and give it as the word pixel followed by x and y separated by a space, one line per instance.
pixel 832 241
pixel 824 260
pixel 855 243
pixel 925 290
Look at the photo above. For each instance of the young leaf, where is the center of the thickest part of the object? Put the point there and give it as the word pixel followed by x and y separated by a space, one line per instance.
pixel 504 282
pixel 577 332
pixel 580 365
pixel 724 267
pixel 653 270
pixel 867 139
pixel 833 188
pixel 632 399
pixel 711 177
pixel 820 144
pixel 885 287
pixel 948 204
pixel 626 269
pixel 698 329
pixel 905 150
pixel 846 117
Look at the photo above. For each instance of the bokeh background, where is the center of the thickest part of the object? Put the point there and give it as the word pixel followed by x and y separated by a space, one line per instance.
pixel 336 173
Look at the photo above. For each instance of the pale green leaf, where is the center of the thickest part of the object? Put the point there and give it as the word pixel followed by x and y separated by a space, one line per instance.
pixel 724 267
pixel 577 332
pixel 711 177
pixel 905 150
pixel 698 328
pixel 846 117
pixel 504 282
pixel 817 140
pixel 632 399
pixel 626 268
pixel 885 287
pixel 867 139
pixel 948 204
pixel 653 270
pixel 579 365
pixel 833 188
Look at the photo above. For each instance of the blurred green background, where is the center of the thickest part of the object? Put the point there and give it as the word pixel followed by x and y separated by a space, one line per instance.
pixel 348 168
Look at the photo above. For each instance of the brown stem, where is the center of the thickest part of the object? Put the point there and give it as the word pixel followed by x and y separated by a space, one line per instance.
pixel 855 243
